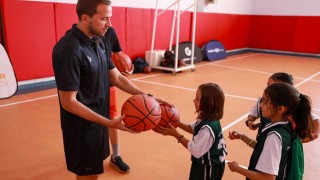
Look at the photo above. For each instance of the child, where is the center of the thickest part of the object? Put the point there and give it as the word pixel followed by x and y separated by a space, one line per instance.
pixel 255 112
pixel 207 145
pixel 270 155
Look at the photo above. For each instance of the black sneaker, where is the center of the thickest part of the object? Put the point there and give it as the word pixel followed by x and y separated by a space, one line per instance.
pixel 119 164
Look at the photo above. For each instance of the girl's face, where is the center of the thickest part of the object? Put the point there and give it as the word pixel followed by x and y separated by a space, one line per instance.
pixel 266 107
pixel 196 100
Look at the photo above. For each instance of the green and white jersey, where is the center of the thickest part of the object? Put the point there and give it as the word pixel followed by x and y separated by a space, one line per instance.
pixel 208 151
pixel 273 149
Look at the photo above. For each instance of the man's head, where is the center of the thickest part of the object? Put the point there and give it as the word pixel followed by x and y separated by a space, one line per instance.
pixel 94 16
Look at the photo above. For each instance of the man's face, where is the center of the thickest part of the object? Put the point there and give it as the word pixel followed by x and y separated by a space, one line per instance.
pixel 101 21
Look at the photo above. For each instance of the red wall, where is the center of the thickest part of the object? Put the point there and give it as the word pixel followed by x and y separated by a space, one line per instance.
pixel 29 37
pixel 31 30
pixel 285 33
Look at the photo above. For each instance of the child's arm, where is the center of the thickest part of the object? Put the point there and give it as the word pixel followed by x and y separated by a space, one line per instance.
pixel 171 131
pixel 234 167
pixel 238 135
pixel 185 127
pixel 315 121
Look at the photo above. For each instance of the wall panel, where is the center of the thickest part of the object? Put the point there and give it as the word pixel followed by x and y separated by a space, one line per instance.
pixel 30 35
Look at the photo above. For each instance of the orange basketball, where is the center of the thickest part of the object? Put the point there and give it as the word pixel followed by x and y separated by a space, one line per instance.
pixel 122 61
pixel 169 115
pixel 142 112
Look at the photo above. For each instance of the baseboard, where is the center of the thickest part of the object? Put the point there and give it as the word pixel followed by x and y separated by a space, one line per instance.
pixel 36 86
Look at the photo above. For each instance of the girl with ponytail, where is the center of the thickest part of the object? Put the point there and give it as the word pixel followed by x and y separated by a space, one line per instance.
pixel 271 154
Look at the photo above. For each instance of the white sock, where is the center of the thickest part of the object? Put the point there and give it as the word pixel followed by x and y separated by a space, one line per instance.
pixel 115 151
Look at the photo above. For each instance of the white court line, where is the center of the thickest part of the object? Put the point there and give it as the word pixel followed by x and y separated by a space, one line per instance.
pixel 308 79
pixel 30 100
pixel 147 76
pixel 235 122
pixel 190 89
pixel 227 60
pixel 316 109
pixel 166 85
pixel 255 71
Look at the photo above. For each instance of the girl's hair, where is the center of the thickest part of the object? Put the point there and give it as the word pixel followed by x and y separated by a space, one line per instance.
pixel 297 104
pixel 89 7
pixel 211 102
pixel 282 77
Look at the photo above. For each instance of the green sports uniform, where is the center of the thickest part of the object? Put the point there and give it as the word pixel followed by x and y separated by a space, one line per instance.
pixel 282 129
pixel 211 165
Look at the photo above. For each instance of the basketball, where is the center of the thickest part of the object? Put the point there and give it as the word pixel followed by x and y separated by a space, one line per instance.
pixel 169 115
pixel 142 112
pixel 122 61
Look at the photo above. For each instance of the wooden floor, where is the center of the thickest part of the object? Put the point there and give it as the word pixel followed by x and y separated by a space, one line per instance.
pixel 30 135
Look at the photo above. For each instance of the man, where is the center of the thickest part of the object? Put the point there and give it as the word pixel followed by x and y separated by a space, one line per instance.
pixel 83 72
pixel 113 45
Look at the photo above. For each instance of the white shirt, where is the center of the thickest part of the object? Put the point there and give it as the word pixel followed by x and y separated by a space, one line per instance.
pixel 201 142
pixel 270 157
pixel 255 110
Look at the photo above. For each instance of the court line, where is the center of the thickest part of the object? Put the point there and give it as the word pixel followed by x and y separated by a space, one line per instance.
pixel 249 70
pixel 30 100
pixel 217 63
pixel 191 89
pixel 308 79
pixel 228 60
pixel 213 62
pixel 315 109
pixel 262 72
pixel 235 122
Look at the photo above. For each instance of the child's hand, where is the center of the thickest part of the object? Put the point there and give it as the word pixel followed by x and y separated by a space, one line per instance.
pixel 251 124
pixel 307 139
pixel 168 131
pixel 235 135
pixel 233 165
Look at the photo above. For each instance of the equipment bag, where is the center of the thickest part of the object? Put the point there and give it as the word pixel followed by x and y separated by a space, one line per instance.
pixel 185 52
pixel 213 50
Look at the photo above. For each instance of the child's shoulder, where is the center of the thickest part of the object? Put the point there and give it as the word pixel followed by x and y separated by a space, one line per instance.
pixel 214 124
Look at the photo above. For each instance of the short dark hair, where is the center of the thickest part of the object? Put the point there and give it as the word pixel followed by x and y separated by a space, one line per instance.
pixel 211 102
pixel 282 77
pixel 89 7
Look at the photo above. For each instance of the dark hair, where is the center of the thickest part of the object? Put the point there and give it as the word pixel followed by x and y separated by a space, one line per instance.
pixel 89 7
pixel 211 102
pixel 297 104
pixel 282 77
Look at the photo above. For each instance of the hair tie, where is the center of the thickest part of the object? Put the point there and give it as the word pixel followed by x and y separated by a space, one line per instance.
pixel 300 96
